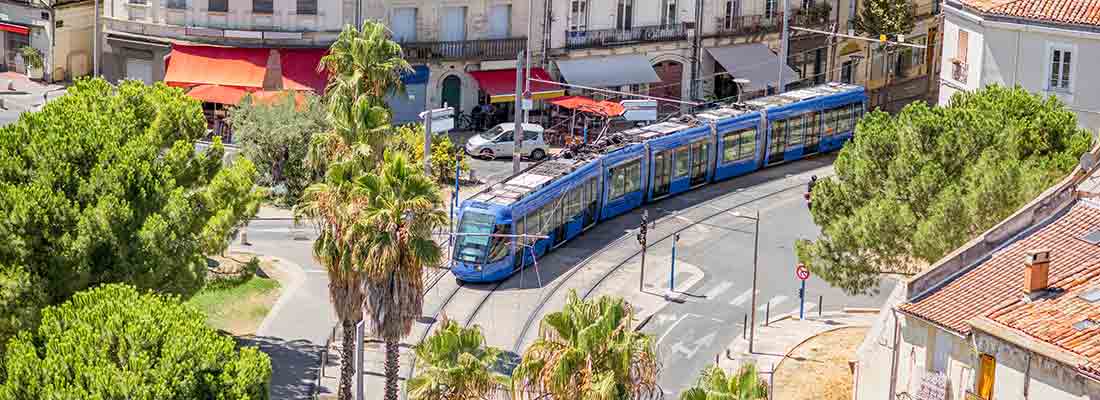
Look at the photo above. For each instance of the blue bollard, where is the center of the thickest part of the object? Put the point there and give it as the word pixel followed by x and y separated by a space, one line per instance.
pixel 802 301
pixel 672 271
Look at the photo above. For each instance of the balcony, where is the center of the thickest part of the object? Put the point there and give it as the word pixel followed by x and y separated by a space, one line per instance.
pixel 958 71
pixel 619 37
pixel 220 36
pixel 481 49
pixel 744 25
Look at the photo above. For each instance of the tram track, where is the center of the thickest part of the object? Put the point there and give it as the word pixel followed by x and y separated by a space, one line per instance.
pixel 549 295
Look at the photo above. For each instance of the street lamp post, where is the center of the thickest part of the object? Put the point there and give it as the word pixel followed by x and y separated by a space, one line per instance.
pixel 755 258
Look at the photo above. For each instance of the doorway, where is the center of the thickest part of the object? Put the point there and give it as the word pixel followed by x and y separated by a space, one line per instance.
pixel 670 73
pixel 452 92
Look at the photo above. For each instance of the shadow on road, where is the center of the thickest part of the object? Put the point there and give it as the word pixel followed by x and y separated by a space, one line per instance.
pixel 294 365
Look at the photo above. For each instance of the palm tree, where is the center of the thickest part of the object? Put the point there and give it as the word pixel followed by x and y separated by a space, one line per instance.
pixel 334 206
pixel 364 65
pixel 589 350
pixel 455 364
pixel 394 246
pixel 715 384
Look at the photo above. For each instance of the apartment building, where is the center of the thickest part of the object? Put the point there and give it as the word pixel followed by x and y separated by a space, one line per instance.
pixel 61 31
pixel 248 44
pixel 464 51
pixel 1009 315
pixel 1041 45
pixel 688 49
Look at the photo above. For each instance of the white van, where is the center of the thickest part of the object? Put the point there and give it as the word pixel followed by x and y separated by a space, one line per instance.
pixel 498 142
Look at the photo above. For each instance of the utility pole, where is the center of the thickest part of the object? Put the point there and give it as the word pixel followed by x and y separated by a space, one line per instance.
pixel 643 231
pixel 517 132
pixel 783 46
pixel 527 57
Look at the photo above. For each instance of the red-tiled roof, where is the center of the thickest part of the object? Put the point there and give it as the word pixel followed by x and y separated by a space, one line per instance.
pixel 1078 12
pixel 998 281
pixel 1051 319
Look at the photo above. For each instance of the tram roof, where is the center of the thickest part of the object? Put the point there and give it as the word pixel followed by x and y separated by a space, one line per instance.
pixel 543 174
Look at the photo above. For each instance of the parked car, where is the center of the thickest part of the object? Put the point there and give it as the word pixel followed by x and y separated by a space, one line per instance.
pixel 499 142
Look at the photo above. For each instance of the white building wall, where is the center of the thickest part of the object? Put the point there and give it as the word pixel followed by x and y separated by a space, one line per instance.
pixel 331 15
pixel 1017 54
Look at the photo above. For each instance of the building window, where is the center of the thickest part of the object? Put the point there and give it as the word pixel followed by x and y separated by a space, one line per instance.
pixel 626 15
pixel 807 4
pixel 669 13
pixel 263 6
pixel 454 24
pixel 403 24
pixel 733 11
pixel 847 71
pixel 984 385
pixel 578 15
pixel 176 4
pixel 771 7
pixel 219 5
pixel 307 7
pixel 1061 60
pixel 500 21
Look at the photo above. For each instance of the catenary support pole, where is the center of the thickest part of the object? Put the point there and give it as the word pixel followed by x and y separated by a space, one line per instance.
pixel 428 144
pixel 784 38
pixel 517 133
pixel 359 361
pixel 527 57
pixel 755 254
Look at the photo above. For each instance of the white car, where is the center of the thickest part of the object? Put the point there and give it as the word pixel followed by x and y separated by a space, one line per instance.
pixel 499 142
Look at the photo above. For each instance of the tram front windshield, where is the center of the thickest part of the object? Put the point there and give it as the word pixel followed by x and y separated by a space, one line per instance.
pixel 474 245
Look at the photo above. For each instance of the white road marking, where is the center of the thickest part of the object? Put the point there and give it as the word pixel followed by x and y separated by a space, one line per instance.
pixel 775 302
pixel 698 344
pixel 718 290
pixel 671 328
pixel 742 298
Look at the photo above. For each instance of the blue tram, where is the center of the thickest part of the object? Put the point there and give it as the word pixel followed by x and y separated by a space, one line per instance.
pixel 571 192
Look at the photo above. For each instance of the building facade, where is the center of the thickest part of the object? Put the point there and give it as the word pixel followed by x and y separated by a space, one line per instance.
pixel 61 31
pixel 138 34
pixel 1006 316
pixel 1040 45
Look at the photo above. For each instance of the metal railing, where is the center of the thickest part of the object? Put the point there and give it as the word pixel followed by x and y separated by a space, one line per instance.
pixel 959 71
pixel 762 24
pixel 615 37
pixel 482 49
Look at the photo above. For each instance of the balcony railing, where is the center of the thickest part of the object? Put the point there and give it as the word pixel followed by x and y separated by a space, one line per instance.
pixel 760 24
pixel 617 37
pixel 481 49
pixel 959 71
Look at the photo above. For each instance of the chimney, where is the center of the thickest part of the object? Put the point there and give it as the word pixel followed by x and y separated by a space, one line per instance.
pixel 1036 270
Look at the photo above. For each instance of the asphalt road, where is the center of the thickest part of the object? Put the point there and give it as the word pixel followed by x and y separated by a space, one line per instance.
pixel 690 334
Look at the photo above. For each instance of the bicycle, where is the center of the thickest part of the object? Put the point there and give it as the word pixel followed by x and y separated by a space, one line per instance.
pixel 464 122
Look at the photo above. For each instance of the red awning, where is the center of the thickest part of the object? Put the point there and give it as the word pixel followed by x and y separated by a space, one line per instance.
pixel 300 70
pixel 275 96
pixel 584 104
pixel 210 65
pixel 230 95
pixel 19 29
pixel 500 85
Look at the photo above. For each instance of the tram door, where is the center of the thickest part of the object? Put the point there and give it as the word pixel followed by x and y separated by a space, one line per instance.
pixel 591 201
pixel 812 130
pixel 662 173
pixel 557 218
pixel 777 141
pixel 700 154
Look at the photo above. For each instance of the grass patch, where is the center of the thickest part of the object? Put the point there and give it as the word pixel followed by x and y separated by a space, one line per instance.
pixel 237 306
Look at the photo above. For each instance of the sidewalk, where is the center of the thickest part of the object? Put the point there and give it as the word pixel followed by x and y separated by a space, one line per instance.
pixel 776 340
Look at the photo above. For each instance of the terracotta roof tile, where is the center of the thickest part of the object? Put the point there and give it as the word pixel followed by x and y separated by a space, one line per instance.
pixel 1077 12
pixel 997 283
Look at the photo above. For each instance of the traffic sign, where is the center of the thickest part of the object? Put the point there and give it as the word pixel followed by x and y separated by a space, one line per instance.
pixel 802 272
pixel 639 110
pixel 442 119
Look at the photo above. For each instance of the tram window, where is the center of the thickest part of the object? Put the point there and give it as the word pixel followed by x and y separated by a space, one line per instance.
pixel 797 129
pixel 748 144
pixel 730 146
pixel 683 161
pixel 500 246
pixel 574 203
pixel 662 168
pixel 830 121
pixel 521 228
pixel 812 125
pixel 633 177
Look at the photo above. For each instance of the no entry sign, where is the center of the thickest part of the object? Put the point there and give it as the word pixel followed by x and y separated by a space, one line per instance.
pixel 802 272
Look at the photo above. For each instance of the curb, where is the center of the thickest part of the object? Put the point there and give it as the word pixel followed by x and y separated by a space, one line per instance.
pixel 297 275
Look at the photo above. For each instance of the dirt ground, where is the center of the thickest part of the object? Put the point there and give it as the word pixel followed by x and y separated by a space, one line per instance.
pixel 818 368
pixel 240 309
